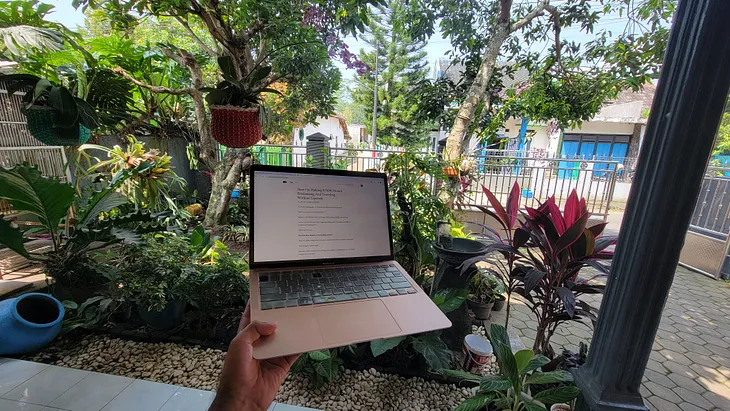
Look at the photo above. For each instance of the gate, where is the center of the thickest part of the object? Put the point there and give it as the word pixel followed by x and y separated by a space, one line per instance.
pixel 707 241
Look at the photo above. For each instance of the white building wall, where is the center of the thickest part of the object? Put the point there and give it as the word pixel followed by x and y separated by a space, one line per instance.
pixel 328 126
pixel 591 127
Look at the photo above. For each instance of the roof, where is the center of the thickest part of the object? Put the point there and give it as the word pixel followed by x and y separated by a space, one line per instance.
pixel 343 125
pixel 455 71
pixel 628 107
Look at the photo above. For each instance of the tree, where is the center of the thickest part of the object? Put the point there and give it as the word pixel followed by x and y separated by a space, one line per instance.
pixel 353 112
pixel 569 81
pixel 401 63
pixel 296 39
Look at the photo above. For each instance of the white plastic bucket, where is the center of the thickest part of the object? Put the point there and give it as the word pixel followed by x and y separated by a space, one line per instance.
pixel 477 352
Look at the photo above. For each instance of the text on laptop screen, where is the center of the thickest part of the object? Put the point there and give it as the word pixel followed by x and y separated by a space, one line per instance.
pixel 308 217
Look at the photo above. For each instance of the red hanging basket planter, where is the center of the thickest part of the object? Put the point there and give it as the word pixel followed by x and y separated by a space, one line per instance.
pixel 236 127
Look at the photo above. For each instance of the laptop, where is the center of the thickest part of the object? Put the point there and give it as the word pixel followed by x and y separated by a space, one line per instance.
pixel 322 265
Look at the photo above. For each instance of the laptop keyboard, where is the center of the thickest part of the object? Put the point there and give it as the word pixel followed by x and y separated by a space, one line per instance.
pixel 281 289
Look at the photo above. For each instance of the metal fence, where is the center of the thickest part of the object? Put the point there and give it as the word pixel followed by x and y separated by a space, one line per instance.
pixel 540 178
pixel 707 243
pixel 712 212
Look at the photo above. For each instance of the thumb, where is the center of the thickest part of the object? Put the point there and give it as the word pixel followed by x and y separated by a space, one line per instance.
pixel 255 330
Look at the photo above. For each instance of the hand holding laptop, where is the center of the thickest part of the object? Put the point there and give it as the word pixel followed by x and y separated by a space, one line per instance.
pixel 248 384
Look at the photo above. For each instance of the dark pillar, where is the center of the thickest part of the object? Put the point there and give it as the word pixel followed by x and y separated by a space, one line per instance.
pixel 684 118
pixel 318 150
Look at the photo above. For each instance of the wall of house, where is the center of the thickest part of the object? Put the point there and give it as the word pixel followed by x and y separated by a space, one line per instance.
pixel 328 126
pixel 598 127
pixel 540 139
pixel 358 132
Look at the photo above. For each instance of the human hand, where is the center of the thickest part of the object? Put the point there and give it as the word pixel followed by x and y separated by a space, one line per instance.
pixel 248 384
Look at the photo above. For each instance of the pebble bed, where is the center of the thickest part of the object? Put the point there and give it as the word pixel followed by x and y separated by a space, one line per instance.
pixel 196 367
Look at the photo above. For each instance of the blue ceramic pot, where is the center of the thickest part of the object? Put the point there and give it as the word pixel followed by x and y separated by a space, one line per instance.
pixel 29 322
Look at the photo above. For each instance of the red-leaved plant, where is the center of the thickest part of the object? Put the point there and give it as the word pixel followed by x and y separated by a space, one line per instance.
pixel 544 251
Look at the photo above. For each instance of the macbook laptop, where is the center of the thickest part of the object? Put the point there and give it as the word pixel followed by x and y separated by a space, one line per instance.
pixel 322 264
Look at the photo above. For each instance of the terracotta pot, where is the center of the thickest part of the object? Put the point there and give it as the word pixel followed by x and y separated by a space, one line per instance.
pixel 451 172
pixel 235 126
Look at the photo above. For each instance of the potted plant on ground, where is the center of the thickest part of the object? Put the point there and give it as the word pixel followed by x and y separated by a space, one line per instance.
pixel 55 117
pixel 69 263
pixel 514 388
pixel 236 113
pixel 482 292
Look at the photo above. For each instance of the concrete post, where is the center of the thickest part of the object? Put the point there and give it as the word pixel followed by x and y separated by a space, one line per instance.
pixel 684 118
pixel 318 149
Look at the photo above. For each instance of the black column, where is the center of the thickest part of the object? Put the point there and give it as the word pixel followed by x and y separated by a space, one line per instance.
pixel 684 118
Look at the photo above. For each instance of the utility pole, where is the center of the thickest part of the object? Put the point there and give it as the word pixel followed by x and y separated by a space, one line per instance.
pixel 375 97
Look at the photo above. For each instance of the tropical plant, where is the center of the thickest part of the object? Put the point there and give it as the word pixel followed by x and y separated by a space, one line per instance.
pixel 237 234
pixel 50 200
pixel 416 211
pixel 68 111
pixel 195 268
pixel 151 190
pixel 245 92
pixel 484 287
pixel 321 366
pixel 23 28
pixel 513 388
pixel 544 257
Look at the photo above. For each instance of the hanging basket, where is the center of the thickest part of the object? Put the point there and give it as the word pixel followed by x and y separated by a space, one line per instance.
pixel 40 125
pixel 235 126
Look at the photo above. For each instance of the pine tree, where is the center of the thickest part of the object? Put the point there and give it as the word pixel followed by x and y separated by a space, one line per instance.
pixel 401 63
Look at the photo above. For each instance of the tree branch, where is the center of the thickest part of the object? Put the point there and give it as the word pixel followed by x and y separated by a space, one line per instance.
pixel 154 89
pixel 205 47
pixel 537 11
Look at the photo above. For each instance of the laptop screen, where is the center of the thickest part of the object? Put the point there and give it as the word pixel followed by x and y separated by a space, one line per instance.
pixel 302 216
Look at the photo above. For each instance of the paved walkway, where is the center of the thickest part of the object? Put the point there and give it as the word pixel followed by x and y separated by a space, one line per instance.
pixel 689 367
pixel 30 386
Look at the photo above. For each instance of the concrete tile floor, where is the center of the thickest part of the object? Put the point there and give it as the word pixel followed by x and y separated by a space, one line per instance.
pixel 29 386
pixel 689 367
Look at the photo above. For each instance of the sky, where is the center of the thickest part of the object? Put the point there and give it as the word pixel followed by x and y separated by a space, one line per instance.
pixel 436 48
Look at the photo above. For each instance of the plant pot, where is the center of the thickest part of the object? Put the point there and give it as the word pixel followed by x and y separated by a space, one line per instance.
pixel 29 322
pixel 482 311
pixel 166 319
pixel 560 407
pixel 235 126
pixel 499 303
pixel 40 126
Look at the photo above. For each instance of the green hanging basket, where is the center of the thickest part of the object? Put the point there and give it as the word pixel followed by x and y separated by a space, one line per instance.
pixel 40 125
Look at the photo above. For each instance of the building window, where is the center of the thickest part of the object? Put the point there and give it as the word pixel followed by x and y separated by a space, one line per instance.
pixel 595 146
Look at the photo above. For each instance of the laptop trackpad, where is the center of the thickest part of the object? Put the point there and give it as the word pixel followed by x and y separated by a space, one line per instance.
pixel 355 322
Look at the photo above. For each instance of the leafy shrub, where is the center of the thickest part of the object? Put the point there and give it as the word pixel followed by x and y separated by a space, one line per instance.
pixel 511 390
pixel 321 367
pixel 171 267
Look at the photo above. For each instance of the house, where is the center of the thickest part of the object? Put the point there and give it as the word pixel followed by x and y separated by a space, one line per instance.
pixel 334 126
pixel 614 133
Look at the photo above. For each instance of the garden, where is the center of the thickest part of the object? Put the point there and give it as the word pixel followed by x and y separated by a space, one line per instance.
pixel 151 266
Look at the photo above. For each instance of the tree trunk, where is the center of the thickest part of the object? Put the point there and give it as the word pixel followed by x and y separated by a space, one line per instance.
pixel 226 175
pixel 458 140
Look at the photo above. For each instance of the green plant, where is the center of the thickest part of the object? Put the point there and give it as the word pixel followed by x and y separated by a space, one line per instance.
pixel 244 92
pixel 321 366
pixel 484 287
pixel 152 189
pixel 68 111
pixel 50 200
pixel 519 375
pixel 429 345
pixel 237 234
pixel 195 268
pixel 416 209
